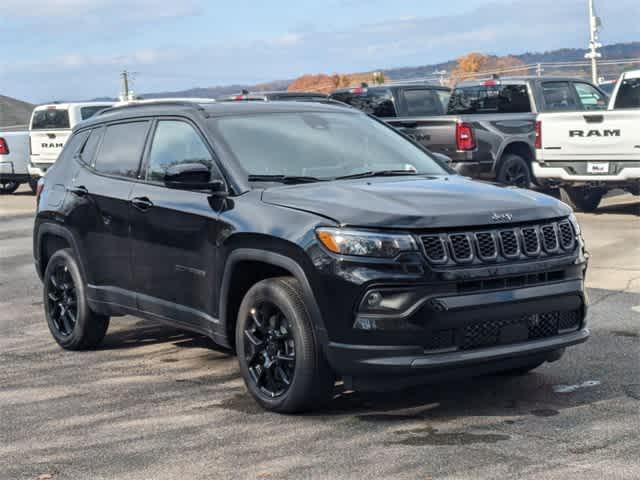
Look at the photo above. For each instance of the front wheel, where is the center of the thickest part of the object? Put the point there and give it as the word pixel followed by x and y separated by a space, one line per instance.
pixel 7 187
pixel 71 322
pixel 581 198
pixel 280 359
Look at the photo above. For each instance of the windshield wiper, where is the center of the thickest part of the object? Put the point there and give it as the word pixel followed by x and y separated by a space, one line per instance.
pixel 287 179
pixel 378 173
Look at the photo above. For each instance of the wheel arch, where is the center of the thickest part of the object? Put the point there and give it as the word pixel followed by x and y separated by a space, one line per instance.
pixel 262 264
pixel 520 148
pixel 49 238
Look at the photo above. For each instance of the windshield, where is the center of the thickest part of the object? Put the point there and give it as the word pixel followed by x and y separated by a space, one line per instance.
pixel 50 119
pixel 321 145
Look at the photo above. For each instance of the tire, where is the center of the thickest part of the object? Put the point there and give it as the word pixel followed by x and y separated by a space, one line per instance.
pixel 514 170
pixel 7 187
pixel 33 184
pixel 71 322
pixel 274 331
pixel 582 199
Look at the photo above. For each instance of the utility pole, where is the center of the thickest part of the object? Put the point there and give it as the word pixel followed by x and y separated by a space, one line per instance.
pixel 594 43
pixel 539 70
pixel 125 95
pixel 442 74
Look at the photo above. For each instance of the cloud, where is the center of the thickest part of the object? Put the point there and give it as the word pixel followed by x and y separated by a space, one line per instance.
pixel 498 27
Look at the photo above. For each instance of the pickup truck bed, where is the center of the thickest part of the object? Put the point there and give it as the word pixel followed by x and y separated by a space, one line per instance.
pixel 14 161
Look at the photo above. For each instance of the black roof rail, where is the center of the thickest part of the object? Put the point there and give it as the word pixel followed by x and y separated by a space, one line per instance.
pixel 177 103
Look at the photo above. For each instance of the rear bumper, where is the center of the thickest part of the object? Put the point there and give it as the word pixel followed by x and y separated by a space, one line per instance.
pixel 629 174
pixel 8 173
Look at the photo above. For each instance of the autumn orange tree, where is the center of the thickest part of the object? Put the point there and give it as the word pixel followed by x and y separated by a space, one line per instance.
pixel 477 63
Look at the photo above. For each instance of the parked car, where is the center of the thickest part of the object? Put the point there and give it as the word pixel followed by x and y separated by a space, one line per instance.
pixel 50 127
pixel 14 161
pixel 317 242
pixel 591 152
pixel 486 127
pixel 246 96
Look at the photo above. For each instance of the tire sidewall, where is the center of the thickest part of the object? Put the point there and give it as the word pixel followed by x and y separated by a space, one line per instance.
pixel 13 186
pixel 304 341
pixel 75 340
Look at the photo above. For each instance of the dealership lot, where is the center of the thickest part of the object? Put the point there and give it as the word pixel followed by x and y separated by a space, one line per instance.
pixel 154 402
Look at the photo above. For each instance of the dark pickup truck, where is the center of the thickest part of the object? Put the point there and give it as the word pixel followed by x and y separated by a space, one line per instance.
pixel 486 127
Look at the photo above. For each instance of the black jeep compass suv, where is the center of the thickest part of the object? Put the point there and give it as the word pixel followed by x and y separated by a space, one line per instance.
pixel 317 242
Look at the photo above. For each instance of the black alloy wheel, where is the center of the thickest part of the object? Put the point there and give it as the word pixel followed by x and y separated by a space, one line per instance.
pixel 63 300
pixel 269 349
pixel 514 171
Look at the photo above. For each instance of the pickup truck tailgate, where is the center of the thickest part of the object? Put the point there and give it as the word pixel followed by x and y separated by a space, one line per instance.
pixel 575 136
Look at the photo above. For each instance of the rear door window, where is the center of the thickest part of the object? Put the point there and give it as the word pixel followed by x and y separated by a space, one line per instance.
pixel 423 102
pixel 628 94
pixel 589 96
pixel 558 96
pixel 121 149
pixel 489 99
pixel 50 119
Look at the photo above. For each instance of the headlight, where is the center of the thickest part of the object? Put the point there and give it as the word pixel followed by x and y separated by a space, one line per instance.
pixel 576 225
pixel 365 244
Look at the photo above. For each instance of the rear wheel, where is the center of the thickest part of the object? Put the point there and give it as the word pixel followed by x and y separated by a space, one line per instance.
pixel 581 198
pixel 280 359
pixel 71 322
pixel 514 170
pixel 33 184
pixel 7 187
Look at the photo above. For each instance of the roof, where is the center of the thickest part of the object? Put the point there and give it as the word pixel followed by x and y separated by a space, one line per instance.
pixel 219 109
pixel 516 79
pixel 73 104
pixel 273 93
pixel 432 86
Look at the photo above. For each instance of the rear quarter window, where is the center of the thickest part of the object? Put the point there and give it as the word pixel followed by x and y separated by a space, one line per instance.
pixel 50 119
pixel 628 94
pixel 489 99
pixel 374 101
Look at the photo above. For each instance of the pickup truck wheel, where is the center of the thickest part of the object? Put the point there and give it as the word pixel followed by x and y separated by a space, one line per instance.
pixel 280 359
pixel 71 322
pixel 582 199
pixel 8 187
pixel 514 170
pixel 33 184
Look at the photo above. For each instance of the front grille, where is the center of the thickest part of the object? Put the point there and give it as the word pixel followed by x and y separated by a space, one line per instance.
pixel 500 244
pixel 434 248
pixel 491 333
pixel 549 238
pixel 461 247
pixel 567 237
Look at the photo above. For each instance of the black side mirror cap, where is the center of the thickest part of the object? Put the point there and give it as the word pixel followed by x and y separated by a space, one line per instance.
pixel 193 176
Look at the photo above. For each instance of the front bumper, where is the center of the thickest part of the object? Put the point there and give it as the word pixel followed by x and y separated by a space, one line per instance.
pixel 499 323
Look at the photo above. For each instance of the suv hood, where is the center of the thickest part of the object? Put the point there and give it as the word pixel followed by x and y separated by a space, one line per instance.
pixel 415 202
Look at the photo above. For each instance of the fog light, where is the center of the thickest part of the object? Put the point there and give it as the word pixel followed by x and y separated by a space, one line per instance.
pixel 374 299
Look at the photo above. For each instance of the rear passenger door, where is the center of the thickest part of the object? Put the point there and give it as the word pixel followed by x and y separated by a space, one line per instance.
pixel 174 231
pixel 101 190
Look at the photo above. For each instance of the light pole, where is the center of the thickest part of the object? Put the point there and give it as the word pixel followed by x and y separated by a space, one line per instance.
pixel 594 43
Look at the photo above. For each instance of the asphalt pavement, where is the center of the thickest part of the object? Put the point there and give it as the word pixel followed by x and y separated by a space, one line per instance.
pixel 158 403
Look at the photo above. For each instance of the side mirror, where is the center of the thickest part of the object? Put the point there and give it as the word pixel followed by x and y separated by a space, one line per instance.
pixel 193 176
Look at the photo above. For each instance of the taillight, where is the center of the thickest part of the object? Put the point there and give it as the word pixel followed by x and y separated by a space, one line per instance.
pixel 358 91
pixel 4 148
pixel 538 130
pixel 465 139
pixel 238 98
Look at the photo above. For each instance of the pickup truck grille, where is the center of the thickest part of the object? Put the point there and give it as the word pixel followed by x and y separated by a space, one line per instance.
pixel 496 245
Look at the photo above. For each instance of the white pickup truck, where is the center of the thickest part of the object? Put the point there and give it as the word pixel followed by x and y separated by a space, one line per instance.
pixel 587 153
pixel 50 127
pixel 14 161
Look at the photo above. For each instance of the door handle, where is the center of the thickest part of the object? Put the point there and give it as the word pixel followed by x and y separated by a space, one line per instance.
pixel 80 190
pixel 142 203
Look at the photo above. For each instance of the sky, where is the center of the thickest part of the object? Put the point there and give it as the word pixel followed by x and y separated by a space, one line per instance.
pixel 75 49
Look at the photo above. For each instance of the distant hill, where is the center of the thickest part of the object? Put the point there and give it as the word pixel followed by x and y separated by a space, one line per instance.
pixel 14 112
pixel 609 52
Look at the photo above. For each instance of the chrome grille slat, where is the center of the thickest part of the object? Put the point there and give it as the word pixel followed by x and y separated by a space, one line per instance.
pixel 499 244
